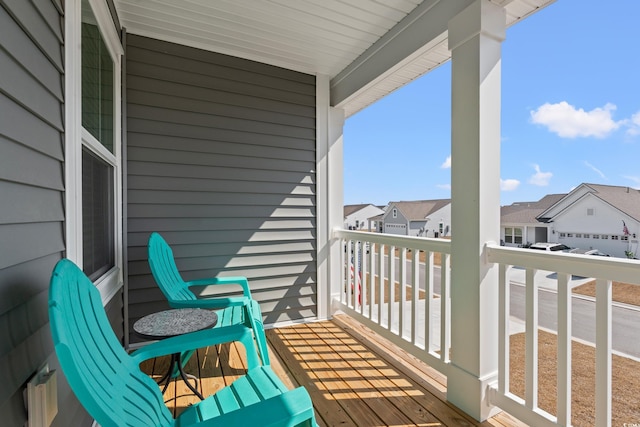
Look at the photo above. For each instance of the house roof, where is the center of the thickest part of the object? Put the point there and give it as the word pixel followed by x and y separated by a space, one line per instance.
pixel 367 48
pixel 420 209
pixel 625 199
pixel 527 212
pixel 349 209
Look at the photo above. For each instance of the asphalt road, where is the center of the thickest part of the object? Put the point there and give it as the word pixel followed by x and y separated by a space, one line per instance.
pixel 625 319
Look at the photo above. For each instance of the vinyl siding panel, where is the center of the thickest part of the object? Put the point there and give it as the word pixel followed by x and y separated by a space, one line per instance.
pixel 220 161
pixel 32 214
pixel 32 194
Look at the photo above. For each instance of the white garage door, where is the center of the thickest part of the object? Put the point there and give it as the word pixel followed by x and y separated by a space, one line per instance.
pixel 396 229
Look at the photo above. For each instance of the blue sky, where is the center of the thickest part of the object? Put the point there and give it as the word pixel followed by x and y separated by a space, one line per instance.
pixel 570 113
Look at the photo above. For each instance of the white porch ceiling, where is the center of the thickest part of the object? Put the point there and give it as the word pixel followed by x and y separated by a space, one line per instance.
pixel 351 41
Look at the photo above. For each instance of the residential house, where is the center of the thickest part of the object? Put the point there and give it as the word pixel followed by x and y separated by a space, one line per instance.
pixel 519 225
pixel 595 216
pixel 357 217
pixel 425 218
pixel 377 220
pixel 219 124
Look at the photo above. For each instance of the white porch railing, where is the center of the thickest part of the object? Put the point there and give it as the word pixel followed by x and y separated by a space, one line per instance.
pixel 392 285
pixel 605 270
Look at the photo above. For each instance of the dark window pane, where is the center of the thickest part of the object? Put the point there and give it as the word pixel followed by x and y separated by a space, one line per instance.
pixel 98 252
pixel 97 82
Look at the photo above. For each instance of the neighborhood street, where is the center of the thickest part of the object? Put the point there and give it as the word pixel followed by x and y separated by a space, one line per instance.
pixel 625 319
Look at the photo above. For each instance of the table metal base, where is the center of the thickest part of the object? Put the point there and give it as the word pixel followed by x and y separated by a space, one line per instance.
pixel 176 361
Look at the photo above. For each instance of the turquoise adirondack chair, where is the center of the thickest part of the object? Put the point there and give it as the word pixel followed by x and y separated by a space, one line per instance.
pixel 176 290
pixel 109 384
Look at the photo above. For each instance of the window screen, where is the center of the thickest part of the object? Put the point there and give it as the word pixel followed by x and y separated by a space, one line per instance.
pixel 97 216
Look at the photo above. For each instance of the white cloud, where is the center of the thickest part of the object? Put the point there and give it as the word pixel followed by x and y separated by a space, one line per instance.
pixel 571 122
pixel 509 184
pixel 446 164
pixel 540 178
pixel 595 169
pixel 634 125
pixel 444 186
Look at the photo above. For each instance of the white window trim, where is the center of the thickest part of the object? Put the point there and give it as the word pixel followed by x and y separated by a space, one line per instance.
pixel 76 137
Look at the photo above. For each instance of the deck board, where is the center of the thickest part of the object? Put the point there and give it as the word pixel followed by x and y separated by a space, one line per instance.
pixel 354 377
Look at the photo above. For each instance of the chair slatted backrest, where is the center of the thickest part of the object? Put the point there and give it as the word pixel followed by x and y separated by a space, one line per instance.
pixel 108 383
pixel 165 270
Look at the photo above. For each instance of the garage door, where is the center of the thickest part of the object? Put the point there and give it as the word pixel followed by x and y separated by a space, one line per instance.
pixel 396 229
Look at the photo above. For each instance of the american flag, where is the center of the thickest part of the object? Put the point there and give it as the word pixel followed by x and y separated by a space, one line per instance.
pixel 625 230
pixel 356 278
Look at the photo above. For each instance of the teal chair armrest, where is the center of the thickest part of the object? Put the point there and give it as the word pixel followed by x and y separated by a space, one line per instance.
pixel 289 409
pixel 237 280
pixel 200 339
pixel 213 303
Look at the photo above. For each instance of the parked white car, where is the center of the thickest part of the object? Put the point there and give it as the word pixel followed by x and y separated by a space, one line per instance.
pixel 588 252
pixel 548 246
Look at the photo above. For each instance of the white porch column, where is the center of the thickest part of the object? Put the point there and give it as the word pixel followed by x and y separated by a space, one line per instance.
pixel 329 195
pixel 475 37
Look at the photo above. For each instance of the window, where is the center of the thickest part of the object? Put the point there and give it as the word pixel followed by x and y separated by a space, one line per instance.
pixel 98 240
pixel 97 81
pixel 596 236
pixel 563 235
pixel 357 223
pixel 513 235
pixel 614 237
pixel 605 236
pixel 394 213
pixel 569 234
pixel 517 235
pixel 441 228
pixel 591 212
pixel 559 247
pixel 93 152
pixel 508 235
pixel 586 236
pixel 578 235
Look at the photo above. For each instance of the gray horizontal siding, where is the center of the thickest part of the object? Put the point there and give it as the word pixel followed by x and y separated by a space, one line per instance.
pixel 220 161
pixel 32 193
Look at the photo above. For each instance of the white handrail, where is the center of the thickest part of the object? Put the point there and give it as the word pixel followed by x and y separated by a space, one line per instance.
pixel 616 269
pixel 604 270
pixel 429 338
pixel 399 317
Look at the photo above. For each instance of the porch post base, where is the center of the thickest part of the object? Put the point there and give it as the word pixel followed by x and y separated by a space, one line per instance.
pixel 470 393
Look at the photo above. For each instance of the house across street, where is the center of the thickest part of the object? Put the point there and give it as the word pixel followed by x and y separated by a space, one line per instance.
pixel 598 217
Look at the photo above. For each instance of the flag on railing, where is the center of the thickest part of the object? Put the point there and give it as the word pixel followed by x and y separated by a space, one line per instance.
pixel 625 230
pixel 356 279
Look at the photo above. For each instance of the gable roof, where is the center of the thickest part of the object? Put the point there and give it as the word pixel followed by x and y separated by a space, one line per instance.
pixel 625 199
pixel 528 212
pixel 349 209
pixel 420 209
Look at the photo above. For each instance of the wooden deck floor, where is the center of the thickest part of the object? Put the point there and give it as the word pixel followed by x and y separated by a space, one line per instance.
pixel 354 377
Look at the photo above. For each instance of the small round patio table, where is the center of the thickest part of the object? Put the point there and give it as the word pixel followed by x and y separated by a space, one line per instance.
pixel 171 323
